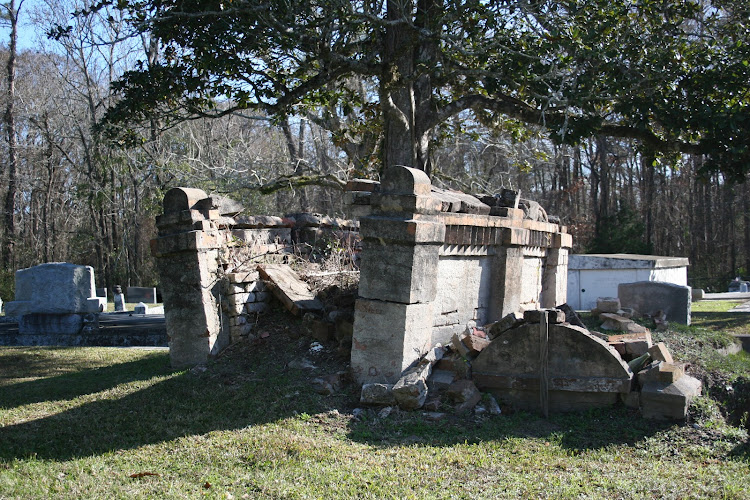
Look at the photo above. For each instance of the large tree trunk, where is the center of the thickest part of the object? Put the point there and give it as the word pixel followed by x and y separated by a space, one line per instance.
pixel 10 132
pixel 405 93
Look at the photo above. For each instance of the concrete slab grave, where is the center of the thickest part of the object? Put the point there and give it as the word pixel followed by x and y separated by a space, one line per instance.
pixel 591 276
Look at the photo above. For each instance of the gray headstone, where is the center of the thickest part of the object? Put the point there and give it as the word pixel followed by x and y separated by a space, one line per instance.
pixel 141 308
pixel 649 297
pixel 55 288
pixel 141 294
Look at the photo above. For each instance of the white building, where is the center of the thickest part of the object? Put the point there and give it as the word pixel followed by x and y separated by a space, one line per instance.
pixel 591 276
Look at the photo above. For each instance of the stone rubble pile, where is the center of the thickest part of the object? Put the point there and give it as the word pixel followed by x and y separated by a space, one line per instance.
pixel 443 378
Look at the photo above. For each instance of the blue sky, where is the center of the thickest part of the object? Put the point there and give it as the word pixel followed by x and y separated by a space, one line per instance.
pixel 27 33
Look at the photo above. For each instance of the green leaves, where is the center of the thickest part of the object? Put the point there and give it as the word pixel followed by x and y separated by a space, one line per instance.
pixel 672 74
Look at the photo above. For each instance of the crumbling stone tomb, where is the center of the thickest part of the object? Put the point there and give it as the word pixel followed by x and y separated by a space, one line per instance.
pixel 434 264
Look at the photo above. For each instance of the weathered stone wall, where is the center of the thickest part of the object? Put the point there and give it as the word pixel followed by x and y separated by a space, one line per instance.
pixel 433 260
pixel 207 256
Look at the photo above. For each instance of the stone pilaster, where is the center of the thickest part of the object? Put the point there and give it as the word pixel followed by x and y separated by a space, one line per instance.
pixel 187 256
pixel 555 277
pixel 398 277
pixel 507 284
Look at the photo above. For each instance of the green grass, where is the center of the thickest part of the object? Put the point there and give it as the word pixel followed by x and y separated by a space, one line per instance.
pixel 89 422
pixel 714 306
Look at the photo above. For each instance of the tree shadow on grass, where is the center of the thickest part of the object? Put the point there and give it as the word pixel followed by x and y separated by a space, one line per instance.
pixel 256 386
pixel 228 395
pixel 733 322
pixel 592 429
pixel 79 383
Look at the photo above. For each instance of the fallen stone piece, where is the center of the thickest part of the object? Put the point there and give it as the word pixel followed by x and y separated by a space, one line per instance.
pixel 377 395
pixel 612 321
pixel 411 389
pixel 435 354
pixel 635 344
pixel 441 379
pixel 290 289
pixel 669 401
pixel 554 316
pixel 571 316
pixel 608 304
pixel 463 393
pixel 475 344
pixel 492 405
pixel 662 372
pixel 458 345
pixel 659 352
pixel 511 320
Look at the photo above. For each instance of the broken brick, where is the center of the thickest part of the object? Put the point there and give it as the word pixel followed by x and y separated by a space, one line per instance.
pixel 660 352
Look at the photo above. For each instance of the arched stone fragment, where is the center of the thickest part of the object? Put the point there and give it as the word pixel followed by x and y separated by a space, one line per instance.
pixel 180 198
pixel 583 371
pixel 405 180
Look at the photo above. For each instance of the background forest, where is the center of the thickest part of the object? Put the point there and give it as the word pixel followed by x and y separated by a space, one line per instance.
pixel 72 193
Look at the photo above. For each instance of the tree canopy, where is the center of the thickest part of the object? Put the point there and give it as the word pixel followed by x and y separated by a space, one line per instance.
pixel 672 74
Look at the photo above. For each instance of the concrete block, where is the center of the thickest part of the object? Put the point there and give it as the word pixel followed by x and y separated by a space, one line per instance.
pixel 669 401
pixel 649 297
pixel 410 272
pixel 401 230
pixel 388 338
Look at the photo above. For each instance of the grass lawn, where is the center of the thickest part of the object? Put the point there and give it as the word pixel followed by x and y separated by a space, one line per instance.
pixel 119 423
pixel 714 306
pixel 715 315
